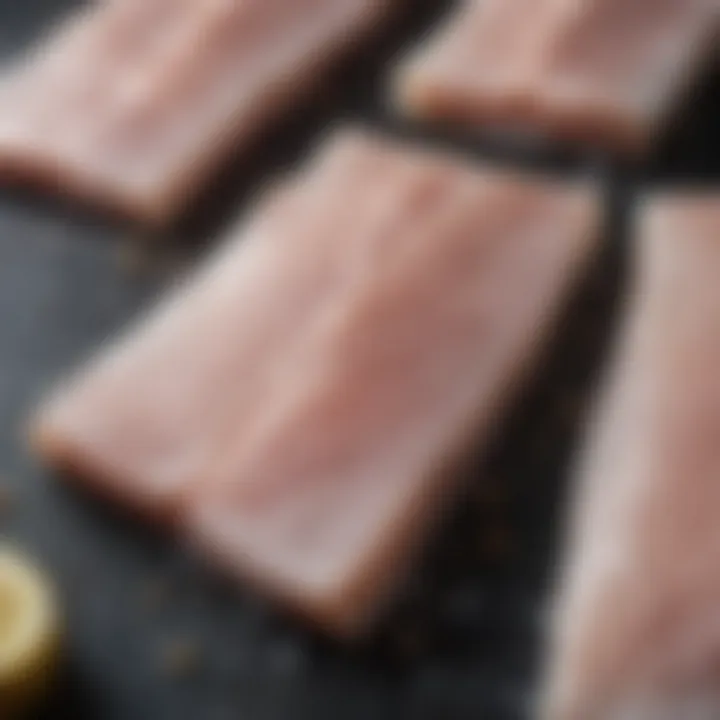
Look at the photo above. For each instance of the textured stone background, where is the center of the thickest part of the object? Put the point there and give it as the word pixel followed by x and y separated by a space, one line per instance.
pixel 466 639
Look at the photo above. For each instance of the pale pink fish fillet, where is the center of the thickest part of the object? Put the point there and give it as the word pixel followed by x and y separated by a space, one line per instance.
pixel 150 415
pixel 411 361
pixel 608 72
pixel 300 406
pixel 637 626
pixel 134 105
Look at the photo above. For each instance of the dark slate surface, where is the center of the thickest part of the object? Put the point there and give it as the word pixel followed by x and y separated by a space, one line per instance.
pixel 465 640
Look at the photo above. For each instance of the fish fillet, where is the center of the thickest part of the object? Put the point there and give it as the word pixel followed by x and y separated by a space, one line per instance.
pixel 132 104
pixel 299 408
pixel 637 631
pixel 607 72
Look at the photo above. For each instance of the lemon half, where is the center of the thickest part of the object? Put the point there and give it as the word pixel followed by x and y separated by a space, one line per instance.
pixel 29 633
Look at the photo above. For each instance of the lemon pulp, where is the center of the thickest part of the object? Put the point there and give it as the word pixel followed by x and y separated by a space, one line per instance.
pixel 29 632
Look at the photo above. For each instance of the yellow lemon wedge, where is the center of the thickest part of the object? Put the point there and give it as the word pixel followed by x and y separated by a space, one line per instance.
pixel 29 633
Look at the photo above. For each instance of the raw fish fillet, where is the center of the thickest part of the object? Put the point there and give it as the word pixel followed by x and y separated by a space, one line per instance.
pixel 300 407
pixel 608 72
pixel 132 104
pixel 637 631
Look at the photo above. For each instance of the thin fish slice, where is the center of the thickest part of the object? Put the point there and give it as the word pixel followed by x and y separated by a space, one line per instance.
pixel 410 365
pixel 606 72
pixel 299 409
pixel 151 414
pixel 134 105
pixel 637 630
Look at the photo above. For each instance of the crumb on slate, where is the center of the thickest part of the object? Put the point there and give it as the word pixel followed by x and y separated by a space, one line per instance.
pixel 491 492
pixel 174 264
pixel 6 500
pixel 497 543
pixel 543 443
pixel 569 408
pixel 135 256
pixel 180 658
pixel 410 642
pixel 154 594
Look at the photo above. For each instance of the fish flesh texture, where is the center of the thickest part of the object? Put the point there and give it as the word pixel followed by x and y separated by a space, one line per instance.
pixel 299 407
pixel 133 104
pixel 637 615
pixel 604 72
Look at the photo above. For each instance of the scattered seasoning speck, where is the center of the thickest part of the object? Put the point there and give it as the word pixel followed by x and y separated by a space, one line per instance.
pixel 154 595
pixel 134 256
pixel 497 543
pixel 174 264
pixel 180 659
pixel 568 409
pixel 544 443
pixel 491 492
pixel 409 643
pixel 6 501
